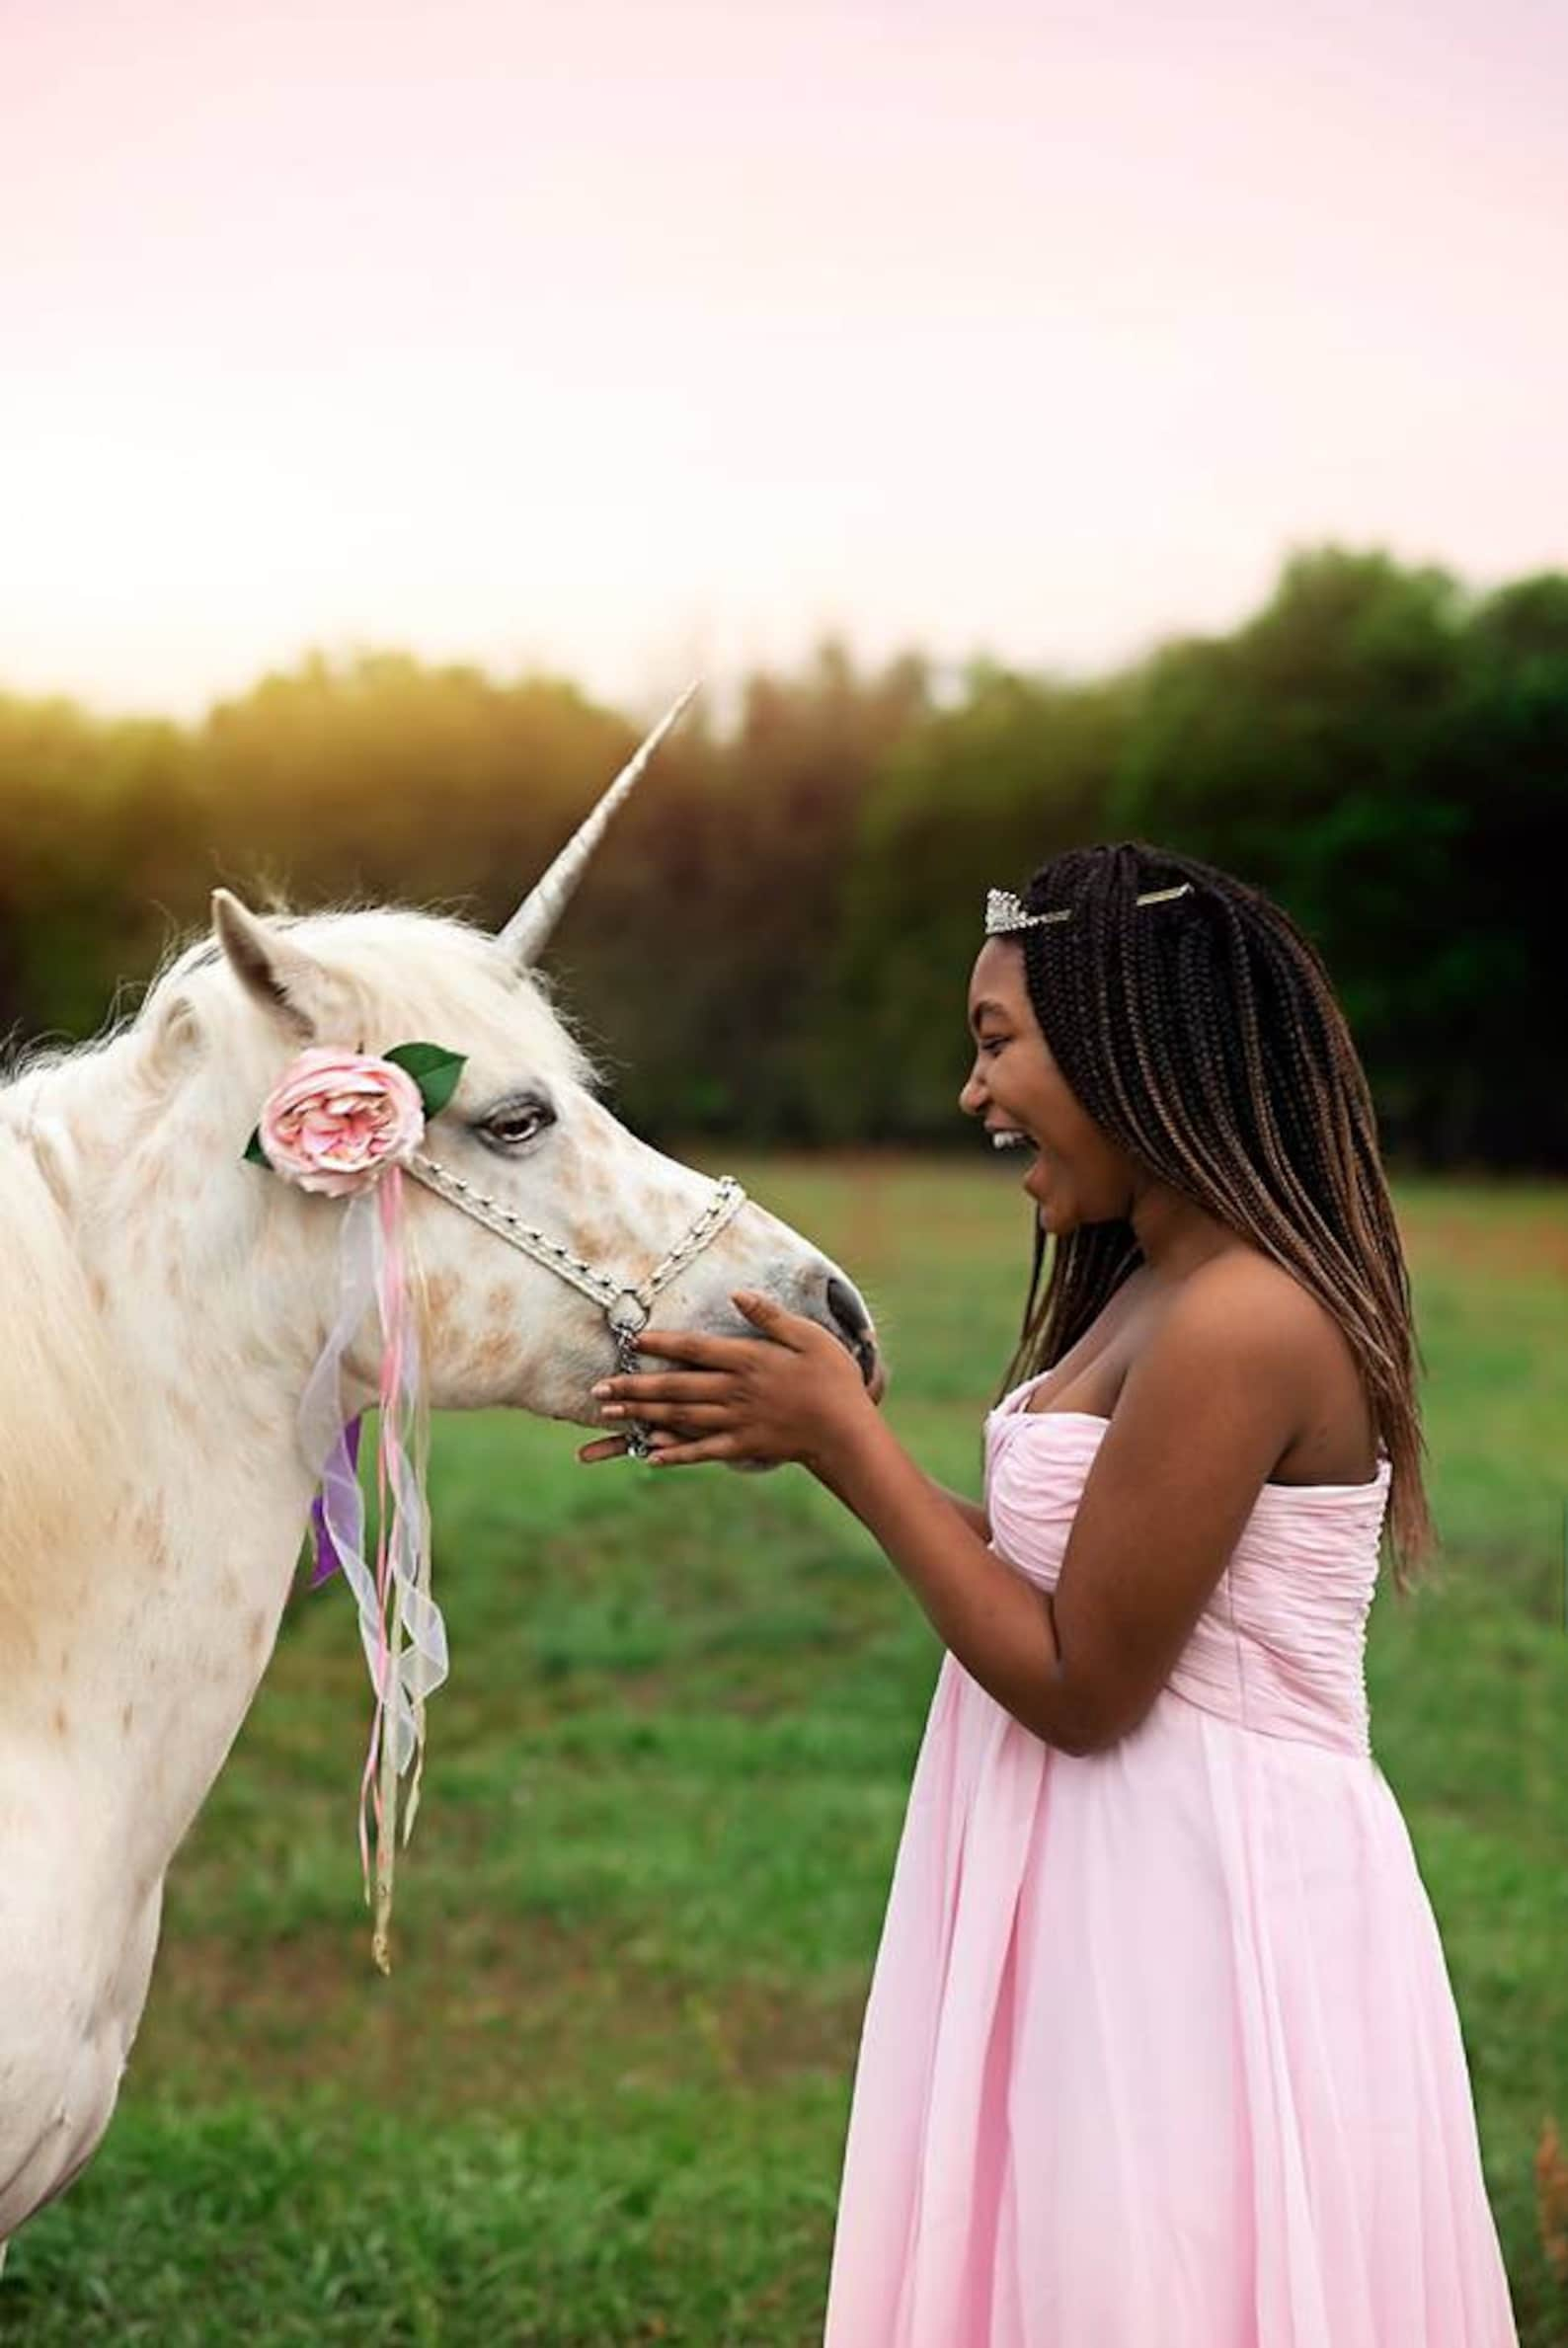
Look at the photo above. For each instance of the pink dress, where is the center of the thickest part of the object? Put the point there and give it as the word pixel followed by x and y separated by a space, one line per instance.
pixel 1161 2049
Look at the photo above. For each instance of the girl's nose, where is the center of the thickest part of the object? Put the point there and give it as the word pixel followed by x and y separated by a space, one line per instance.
pixel 972 1099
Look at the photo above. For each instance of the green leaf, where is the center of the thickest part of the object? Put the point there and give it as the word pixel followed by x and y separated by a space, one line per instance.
pixel 434 1068
pixel 253 1152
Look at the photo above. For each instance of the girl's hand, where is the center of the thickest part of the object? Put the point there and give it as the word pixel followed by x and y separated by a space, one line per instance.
pixel 798 1396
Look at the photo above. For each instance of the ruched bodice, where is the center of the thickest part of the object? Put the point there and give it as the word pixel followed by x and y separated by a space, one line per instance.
pixel 1281 1645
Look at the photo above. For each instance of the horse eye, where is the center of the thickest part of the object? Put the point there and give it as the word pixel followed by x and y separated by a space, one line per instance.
pixel 518 1124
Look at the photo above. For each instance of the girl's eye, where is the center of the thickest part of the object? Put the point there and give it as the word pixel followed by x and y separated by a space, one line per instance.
pixel 992 1042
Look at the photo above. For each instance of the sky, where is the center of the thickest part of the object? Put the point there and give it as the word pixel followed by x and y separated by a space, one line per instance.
pixel 638 341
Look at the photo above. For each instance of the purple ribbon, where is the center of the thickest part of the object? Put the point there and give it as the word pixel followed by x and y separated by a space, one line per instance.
pixel 345 1461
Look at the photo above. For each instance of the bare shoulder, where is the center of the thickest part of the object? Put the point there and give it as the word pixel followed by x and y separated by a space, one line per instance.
pixel 1238 1341
pixel 1267 1312
pixel 1242 1276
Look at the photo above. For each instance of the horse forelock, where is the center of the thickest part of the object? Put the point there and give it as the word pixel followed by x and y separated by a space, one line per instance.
pixel 61 1427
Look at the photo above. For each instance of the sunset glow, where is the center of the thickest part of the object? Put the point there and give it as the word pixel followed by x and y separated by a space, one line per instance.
pixel 636 341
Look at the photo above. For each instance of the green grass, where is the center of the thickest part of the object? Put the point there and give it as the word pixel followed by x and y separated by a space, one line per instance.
pixel 602 2098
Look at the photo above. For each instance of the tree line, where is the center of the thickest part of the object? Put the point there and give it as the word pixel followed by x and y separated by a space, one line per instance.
pixel 775 939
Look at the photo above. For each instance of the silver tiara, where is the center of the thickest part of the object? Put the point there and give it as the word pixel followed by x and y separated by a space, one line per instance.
pixel 1004 912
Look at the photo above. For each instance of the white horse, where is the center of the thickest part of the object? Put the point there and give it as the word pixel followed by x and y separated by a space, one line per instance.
pixel 161 1306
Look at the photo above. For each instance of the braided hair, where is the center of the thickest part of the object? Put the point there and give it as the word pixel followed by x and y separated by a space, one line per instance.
pixel 1203 1038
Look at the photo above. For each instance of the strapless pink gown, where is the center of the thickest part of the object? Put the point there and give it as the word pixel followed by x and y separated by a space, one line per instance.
pixel 1161 2050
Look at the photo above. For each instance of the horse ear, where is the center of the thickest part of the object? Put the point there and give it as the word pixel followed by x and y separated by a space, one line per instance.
pixel 288 983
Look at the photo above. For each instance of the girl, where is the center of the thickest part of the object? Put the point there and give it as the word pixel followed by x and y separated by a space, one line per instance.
pixel 1161 2049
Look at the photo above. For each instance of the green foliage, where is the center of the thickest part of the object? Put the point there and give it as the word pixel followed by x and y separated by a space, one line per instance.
pixel 779 928
pixel 975 797
pixel 601 2101
pixel 434 1068
pixel 1349 750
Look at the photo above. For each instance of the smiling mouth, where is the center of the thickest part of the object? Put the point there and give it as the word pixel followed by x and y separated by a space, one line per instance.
pixel 1017 1136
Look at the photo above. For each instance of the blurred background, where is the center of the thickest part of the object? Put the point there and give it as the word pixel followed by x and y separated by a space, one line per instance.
pixel 1037 426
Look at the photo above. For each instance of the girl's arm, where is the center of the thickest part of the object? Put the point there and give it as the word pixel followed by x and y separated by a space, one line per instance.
pixel 1001 1627
pixel 802 1398
pixel 972 1514
pixel 1216 1396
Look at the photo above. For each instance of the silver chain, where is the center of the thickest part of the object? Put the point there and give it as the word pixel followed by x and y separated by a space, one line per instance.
pixel 625 1307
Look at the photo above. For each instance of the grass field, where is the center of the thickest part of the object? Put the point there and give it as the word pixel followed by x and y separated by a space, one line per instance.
pixel 601 2100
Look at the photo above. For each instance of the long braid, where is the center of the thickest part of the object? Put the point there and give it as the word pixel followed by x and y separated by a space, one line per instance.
pixel 1203 1035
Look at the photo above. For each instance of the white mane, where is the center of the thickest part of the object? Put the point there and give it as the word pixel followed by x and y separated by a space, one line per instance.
pixel 58 1410
pixel 91 1131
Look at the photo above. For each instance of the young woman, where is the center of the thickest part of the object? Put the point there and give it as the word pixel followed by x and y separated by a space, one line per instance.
pixel 1161 2050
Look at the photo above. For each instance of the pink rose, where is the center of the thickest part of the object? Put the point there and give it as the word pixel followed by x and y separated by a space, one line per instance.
pixel 334 1118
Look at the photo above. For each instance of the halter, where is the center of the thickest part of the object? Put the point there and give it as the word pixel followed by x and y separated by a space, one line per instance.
pixel 626 1308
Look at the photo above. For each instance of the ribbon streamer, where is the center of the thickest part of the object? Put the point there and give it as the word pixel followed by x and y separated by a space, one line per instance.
pixel 328 1561
pixel 400 1625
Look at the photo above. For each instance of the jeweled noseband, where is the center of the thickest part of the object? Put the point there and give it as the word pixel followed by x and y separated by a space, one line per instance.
pixel 626 1308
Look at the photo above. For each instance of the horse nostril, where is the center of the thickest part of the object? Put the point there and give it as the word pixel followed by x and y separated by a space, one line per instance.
pixel 854 1320
pixel 847 1310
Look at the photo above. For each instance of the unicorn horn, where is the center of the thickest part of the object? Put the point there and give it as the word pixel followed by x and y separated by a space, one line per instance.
pixel 525 934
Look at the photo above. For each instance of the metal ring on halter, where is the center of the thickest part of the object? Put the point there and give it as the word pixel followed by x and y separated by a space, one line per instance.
pixel 628 1316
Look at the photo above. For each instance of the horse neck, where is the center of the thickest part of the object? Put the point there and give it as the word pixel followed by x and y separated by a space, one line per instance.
pixel 153 1624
